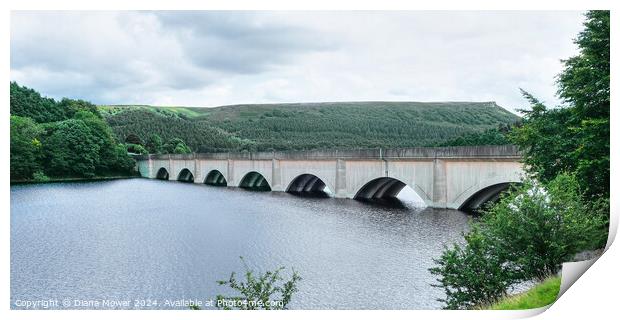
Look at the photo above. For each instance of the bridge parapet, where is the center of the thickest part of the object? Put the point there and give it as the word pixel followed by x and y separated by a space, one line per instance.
pixel 464 152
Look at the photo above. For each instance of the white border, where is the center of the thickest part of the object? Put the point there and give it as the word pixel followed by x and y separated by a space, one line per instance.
pixel 594 294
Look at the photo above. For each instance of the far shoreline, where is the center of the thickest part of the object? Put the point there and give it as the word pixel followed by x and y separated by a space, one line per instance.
pixel 74 179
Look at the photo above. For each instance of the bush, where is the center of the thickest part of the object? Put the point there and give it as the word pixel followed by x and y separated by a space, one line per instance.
pixel 472 273
pixel 39 176
pixel 136 148
pixel 258 292
pixel 540 228
pixel 528 234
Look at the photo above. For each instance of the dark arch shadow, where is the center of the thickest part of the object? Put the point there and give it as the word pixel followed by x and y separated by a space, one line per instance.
pixel 254 181
pixel 185 176
pixel 162 174
pixel 382 191
pixel 485 197
pixel 215 178
pixel 307 185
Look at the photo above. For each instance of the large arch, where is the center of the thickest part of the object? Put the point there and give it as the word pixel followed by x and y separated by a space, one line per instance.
pixel 489 194
pixel 483 191
pixel 162 174
pixel 386 191
pixel 215 178
pixel 254 181
pixel 185 176
pixel 308 184
pixel 380 188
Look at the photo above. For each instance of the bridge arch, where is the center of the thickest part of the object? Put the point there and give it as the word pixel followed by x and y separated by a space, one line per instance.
pixel 368 188
pixel 385 188
pixel 162 174
pixel 483 192
pixel 254 181
pixel 185 176
pixel 308 184
pixel 215 178
pixel 485 195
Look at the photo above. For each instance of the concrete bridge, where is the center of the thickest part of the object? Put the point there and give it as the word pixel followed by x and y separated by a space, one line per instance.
pixel 447 177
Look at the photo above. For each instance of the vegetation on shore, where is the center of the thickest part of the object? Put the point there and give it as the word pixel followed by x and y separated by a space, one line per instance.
pixel 61 139
pixel 75 179
pixel 543 294
pixel 562 208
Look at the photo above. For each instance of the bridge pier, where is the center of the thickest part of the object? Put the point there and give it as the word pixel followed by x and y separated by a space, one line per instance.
pixel 440 191
pixel 276 176
pixel 341 179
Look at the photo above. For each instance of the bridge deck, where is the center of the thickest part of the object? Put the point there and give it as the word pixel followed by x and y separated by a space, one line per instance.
pixel 466 152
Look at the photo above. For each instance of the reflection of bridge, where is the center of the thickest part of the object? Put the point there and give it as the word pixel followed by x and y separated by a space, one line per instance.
pixel 450 177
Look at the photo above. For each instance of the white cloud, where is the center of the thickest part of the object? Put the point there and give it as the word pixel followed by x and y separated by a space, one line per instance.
pixel 216 58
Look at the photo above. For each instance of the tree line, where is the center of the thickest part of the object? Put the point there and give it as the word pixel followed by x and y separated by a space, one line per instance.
pixel 310 126
pixel 562 208
pixel 59 139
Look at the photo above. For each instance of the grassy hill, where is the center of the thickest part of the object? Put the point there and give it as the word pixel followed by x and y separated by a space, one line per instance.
pixel 296 126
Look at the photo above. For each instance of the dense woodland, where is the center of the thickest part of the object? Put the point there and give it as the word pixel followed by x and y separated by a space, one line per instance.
pixel 61 139
pixel 314 125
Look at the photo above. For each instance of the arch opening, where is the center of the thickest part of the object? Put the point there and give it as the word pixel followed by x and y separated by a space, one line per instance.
pixel 254 181
pixel 162 174
pixel 308 185
pixel 389 191
pixel 485 197
pixel 215 178
pixel 185 176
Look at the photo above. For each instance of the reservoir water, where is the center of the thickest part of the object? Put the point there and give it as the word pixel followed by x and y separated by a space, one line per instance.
pixel 148 240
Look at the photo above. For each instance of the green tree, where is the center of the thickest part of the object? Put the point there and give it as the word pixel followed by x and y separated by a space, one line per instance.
pixel 474 273
pixel 176 145
pixel 574 138
pixel 70 107
pixel 133 139
pixel 540 227
pixel 71 133
pixel 123 162
pixel 136 148
pixel 103 137
pixel 71 149
pixel 528 234
pixel 154 144
pixel 26 148
pixel 26 102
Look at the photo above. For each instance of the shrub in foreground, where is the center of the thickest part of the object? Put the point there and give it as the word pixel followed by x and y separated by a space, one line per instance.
pixel 528 234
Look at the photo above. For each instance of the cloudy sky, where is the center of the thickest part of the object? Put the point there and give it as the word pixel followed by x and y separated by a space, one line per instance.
pixel 215 58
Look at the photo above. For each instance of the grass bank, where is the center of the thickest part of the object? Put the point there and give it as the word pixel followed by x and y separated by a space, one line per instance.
pixel 541 295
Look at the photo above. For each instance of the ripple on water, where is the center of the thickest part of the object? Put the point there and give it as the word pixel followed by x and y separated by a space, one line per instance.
pixel 139 239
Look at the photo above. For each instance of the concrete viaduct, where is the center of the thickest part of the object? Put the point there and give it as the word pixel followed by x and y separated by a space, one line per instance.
pixel 445 177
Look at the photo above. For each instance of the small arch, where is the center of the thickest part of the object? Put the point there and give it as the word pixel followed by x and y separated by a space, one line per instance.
pixel 215 178
pixel 254 181
pixel 162 174
pixel 185 176
pixel 308 184
pixel 484 196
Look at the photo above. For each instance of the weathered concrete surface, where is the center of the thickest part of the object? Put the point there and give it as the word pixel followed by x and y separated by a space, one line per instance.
pixel 443 177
